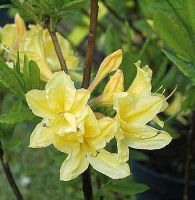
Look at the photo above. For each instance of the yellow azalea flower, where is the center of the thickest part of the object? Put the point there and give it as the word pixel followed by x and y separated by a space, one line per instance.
pixel 37 44
pixel 72 128
pixel 60 104
pixel 115 85
pixel 135 108
pixel 109 64
pixel 13 34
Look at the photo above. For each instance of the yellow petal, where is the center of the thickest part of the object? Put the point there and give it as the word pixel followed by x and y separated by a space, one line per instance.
pixel 66 143
pixel 158 121
pixel 123 149
pixel 41 136
pixel 74 165
pixel 139 110
pixel 115 85
pixel 33 47
pixel 91 125
pixel 80 100
pixel 61 91
pixel 142 83
pixel 67 125
pixel 38 103
pixel 146 137
pixel 109 64
pixel 20 30
pixel 108 127
pixel 8 35
pixel 107 163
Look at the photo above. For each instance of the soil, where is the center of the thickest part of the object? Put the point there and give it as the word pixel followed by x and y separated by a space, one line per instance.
pixel 171 159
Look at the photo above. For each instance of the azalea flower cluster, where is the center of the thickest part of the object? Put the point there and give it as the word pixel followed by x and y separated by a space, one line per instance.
pixel 72 127
pixel 36 43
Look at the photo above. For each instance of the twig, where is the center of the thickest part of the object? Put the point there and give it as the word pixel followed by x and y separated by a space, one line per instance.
pixel 58 51
pixel 87 186
pixel 9 176
pixel 91 44
pixel 56 45
pixel 189 155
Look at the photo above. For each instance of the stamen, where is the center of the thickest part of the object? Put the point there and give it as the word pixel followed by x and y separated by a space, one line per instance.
pixel 145 138
pixel 159 88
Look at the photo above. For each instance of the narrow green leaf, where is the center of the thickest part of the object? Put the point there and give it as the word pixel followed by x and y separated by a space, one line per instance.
pixel 17 64
pixel 186 68
pixel 128 34
pixel 16 117
pixel 174 34
pixel 127 187
pixel 191 13
pixel 112 40
pixel 31 73
pixel 11 80
pixel 34 75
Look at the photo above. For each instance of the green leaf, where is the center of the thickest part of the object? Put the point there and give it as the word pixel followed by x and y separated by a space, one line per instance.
pixel 76 4
pixel 17 64
pixel 11 80
pixel 17 105
pixel 174 34
pixel 127 186
pixel 186 68
pixel 138 155
pixel 189 102
pixel 31 73
pixel 169 79
pixel 112 40
pixel 16 117
pixel 128 68
pixel 191 13
pixel 128 35
pixel 156 81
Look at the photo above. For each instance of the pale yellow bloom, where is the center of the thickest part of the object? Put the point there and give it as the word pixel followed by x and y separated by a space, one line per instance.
pixel 115 85
pixel 37 44
pixel 13 34
pixel 72 128
pixel 60 104
pixel 109 64
pixel 135 108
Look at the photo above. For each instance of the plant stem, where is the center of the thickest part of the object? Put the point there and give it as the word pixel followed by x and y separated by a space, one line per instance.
pixel 87 186
pixel 9 176
pixel 189 155
pixel 58 50
pixel 86 176
pixel 56 44
pixel 90 44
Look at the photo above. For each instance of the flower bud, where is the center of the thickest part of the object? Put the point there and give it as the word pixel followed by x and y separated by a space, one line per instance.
pixel 114 85
pixel 109 64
